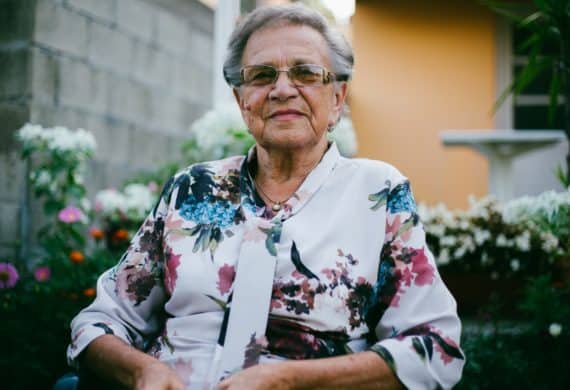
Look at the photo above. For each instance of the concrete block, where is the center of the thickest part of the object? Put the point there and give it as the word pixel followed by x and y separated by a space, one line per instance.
pixel 173 32
pixel 95 175
pixel 137 18
pixel 201 49
pixel 112 140
pixel 44 75
pixel 151 65
pixel 49 115
pixel 202 85
pixel 14 73
pixel 82 86
pixel 129 100
pixel 102 9
pixel 9 223
pixel 183 77
pixel 12 117
pixel 201 17
pixel 60 28
pixel 12 176
pixel 16 20
pixel 148 149
pixel 167 116
pixel 109 47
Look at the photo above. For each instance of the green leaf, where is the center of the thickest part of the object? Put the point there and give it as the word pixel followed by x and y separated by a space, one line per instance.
pixel 553 100
pixel 52 206
pixel 220 303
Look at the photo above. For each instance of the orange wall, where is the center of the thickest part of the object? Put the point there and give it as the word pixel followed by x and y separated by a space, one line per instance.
pixel 423 67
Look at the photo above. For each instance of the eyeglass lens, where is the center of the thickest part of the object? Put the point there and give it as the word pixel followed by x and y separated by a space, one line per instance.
pixel 306 74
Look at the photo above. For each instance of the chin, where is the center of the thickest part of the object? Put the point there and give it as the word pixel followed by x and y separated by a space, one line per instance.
pixel 290 143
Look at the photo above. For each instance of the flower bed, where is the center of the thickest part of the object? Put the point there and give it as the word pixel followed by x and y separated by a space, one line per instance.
pixel 491 249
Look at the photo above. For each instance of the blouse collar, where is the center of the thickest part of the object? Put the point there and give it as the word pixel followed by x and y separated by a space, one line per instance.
pixel 312 183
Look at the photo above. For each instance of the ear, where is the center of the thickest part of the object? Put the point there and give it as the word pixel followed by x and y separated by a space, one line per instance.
pixel 339 98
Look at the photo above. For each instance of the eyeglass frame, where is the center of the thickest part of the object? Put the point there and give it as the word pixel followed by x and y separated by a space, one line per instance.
pixel 326 75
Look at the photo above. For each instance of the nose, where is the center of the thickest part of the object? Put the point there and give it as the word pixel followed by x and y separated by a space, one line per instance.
pixel 283 88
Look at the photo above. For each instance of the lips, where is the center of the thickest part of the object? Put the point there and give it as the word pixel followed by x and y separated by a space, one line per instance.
pixel 286 114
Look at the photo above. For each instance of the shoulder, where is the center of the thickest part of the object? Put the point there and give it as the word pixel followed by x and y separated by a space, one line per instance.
pixel 215 167
pixel 374 170
pixel 200 178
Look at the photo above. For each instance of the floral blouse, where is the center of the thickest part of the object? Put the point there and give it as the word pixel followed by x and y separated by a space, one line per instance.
pixel 352 268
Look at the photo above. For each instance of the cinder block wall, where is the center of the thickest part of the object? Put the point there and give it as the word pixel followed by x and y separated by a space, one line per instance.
pixel 136 73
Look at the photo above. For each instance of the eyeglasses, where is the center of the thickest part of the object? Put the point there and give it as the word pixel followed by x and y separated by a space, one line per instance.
pixel 300 75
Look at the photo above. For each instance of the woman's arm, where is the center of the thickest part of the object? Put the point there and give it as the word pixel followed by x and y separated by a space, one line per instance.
pixel 364 370
pixel 111 359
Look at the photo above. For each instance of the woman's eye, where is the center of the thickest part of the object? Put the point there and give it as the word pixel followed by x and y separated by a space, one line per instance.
pixel 306 74
pixel 262 75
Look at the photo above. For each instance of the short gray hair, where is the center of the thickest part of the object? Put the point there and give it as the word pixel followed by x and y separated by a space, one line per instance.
pixel 341 55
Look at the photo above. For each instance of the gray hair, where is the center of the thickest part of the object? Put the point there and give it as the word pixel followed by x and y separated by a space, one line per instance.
pixel 342 57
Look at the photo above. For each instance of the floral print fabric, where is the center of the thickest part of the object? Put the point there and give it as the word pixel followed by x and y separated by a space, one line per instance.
pixel 352 266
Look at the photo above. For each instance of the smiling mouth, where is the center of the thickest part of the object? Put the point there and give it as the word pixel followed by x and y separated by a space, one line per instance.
pixel 286 114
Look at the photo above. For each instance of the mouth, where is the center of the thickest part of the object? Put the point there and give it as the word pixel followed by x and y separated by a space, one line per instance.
pixel 286 114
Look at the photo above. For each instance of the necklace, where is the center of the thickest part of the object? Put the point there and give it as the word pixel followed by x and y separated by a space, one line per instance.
pixel 277 205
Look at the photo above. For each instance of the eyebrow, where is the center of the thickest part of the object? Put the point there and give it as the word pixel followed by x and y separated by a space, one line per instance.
pixel 297 61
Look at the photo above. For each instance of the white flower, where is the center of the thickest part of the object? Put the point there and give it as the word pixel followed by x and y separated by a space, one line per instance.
pixel 515 265
pixel 41 177
pixel 30 133
pixel 544 206
pixel 345 137
pixel 494 275
pixel 481 236
pixel 58 138
pixel 109 201
pixel 549 242
pixel 437 230
pixel 467 242
pixel 139 199
pixel 502 241
pixel 459 253
pixel 134 202
pixel 220 133
pixel 523 241
pixel 555 329
pixel 448 241
pixel 85 204
pixel 443 257
pixel 464 225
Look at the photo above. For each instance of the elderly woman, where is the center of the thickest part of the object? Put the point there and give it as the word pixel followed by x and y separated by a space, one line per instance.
pixel 348 291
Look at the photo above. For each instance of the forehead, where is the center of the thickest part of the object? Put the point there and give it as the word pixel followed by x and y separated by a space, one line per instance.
pixel 286 45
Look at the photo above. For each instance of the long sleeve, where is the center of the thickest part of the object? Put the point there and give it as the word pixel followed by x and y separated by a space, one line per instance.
pixel 414 315
pixel 131 295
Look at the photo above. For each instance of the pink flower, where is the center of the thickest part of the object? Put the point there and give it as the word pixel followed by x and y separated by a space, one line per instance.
pixel 170 273
pixel 152 186
pixel 226 275
pixel 422 268
pixel 42 274
pixel 8 275
pixel 70 214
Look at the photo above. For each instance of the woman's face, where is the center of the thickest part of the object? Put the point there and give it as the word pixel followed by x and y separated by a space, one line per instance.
pixel 282 115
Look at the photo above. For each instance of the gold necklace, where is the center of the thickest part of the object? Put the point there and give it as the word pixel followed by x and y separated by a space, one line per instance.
pixel 277 205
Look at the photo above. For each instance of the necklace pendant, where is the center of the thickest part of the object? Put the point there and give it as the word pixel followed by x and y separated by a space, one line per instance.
pixel 276 207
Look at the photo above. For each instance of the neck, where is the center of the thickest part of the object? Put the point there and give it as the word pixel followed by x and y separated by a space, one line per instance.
pixel 279 175
pixel 282 166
